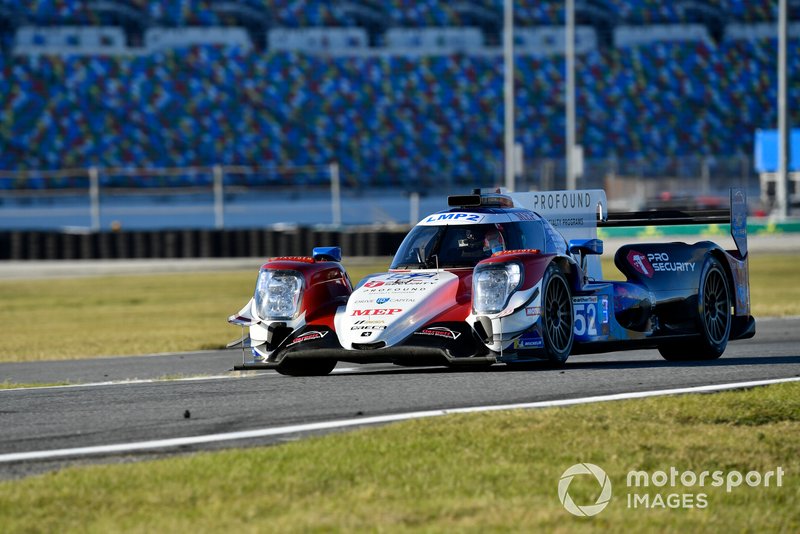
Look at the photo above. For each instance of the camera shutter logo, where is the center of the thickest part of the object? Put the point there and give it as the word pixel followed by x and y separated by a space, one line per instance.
pixel 590 509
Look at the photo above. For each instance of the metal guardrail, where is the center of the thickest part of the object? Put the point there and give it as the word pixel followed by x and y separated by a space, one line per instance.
pixel 94 187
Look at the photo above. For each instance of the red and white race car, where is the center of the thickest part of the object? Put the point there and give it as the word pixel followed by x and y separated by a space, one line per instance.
pixel 490 280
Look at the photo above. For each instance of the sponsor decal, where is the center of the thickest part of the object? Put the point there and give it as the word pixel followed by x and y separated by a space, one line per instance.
pixel 308 336
pixel 367 327
pixel 410 276
pixel 394 289
pixel 406 283
pixel 304 259
pixel 455 217
pixel 375 311
pixel 526 216
pixel 517 251
pixel 640 262
pixel 660 262
pixel 562 200
pixel 383 300
pixel 530 340
pixel 439 331
pixel 402 280
pixel 560 222
pixel 366 334
pixel 533 311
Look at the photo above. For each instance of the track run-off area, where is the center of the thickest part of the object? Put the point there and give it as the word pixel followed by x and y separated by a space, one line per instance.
pixel 146 406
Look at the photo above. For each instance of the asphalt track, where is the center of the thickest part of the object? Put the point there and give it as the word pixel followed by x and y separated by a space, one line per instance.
pixel 126 400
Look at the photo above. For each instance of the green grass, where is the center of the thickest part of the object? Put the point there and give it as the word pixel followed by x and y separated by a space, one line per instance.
pixel 493 471
pixel 121 315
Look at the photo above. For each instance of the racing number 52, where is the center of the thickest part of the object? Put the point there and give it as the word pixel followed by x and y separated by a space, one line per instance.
pixel 585 318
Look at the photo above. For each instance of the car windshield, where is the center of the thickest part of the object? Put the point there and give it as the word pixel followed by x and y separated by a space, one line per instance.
pixel 427 247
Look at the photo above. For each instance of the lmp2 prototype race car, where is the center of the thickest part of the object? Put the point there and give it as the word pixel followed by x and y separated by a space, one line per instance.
pixel 508 279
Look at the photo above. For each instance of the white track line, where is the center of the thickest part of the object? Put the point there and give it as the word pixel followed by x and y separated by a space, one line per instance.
pixel 345 423
pixel 253 374
pixel 132 382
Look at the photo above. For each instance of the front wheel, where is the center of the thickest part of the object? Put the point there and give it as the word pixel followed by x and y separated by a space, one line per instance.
pixel 307 367
pixel 714 318
pixel 558 329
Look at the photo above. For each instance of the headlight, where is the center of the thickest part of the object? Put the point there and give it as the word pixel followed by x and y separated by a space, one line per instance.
pixel 278 294
pixel 493 285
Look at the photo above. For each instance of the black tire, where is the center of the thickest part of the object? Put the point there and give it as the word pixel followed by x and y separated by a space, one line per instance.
pixel 307 367
pixel 713 316
pixel 558 321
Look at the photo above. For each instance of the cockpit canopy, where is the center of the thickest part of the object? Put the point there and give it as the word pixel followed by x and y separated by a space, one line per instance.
pixel 445 245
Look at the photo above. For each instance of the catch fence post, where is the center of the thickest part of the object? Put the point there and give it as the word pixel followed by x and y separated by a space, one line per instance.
pixel 413 216
pixel 219 198
pixel 336 200
pixel 94 198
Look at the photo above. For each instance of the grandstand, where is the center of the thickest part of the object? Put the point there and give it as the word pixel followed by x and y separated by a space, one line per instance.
pixel 398 93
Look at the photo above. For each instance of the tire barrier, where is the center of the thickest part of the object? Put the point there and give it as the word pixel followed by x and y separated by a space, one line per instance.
pixel 240 243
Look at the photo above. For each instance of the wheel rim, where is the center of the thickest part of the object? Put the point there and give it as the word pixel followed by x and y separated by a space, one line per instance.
pixel 716 308
pixel 559 315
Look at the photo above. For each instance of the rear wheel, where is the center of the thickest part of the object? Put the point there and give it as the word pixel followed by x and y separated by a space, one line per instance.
pixel 714 318
pixel 307 367
pixel 557 315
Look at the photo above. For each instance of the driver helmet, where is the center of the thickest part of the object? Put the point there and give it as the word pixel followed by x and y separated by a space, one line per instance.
pixel 493 241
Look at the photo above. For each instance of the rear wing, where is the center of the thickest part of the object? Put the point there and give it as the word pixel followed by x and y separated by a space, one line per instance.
pixel 736 216
pixel 578 214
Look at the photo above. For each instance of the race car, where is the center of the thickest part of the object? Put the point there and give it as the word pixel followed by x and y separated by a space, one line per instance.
pixel 504 278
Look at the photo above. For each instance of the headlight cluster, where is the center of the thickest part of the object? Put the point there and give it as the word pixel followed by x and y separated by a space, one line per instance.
pixel 278 294
pixel 493 285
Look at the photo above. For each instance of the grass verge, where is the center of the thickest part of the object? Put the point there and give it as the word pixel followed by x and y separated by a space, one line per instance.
pixel 493 471
pixel 118 315
pixel 13 385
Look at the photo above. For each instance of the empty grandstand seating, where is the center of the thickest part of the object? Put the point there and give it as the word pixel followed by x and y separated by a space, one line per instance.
pixel 551 40
pixel 316 40
pixel 163 38
pixel 435 40
pixel 388 117
pixel 300 13
pixel 70 39
pixel 394 117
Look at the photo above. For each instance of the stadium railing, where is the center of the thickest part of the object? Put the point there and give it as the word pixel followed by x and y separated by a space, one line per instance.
pixel 201 190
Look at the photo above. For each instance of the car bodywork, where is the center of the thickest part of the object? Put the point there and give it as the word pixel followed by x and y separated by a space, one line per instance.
pixel 490 280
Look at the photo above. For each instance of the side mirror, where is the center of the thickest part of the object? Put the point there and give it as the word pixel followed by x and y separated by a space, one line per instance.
pixel 327 254
pixel 586 246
